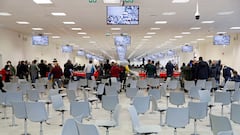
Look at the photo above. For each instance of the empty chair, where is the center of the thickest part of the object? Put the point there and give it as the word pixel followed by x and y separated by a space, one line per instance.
pixel 20 112
pixel 57 103
pixel 155 107
pixel 71 95
pixel 90 99
pixel 177 98
pixel 33 95
pixel 138 128
pixel 110 123
pixel 133 84
pixel 11 86
pixel 78 109
pixel 72 85
pixel 236 96
pixel 3 96
pixel 36 112
pixel 131 92
pixel 208 85
pixel 172 84
pixel 83 82
pixel 194 92
pixel 24 87
pixel 117 85
pixel 188 85
pixel 142 84
pixel 229 86
pixel 222 97
pixel 156 93
pixel 220 125
pixel 205 96
pixel 109 103
pixel 105 81
pixel 70 127
pixel 201 84
pixel 87 129
pixel 100 91
pixel 111 90
pixel 234 114
pixel 197 111
pixel 154 82
pixel 40 87
pixel 177 118
pixel 141 104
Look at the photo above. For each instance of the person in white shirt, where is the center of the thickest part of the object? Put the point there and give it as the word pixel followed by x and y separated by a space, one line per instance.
pixel 89 70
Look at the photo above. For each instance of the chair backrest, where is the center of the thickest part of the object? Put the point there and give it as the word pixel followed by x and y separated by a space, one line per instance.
pixel 229 85
pixel 113 79
pixel 100 89
pixel 234 114
pixel 197 110
pixel 3 96
pixel 83 82
pixel 19 109
pixel 116 114
pixel 109 102
pixel 201 84
pixel 154 82
pixel 105 81
pixel 133 84
pixel 156 93
pixel 33 95
pixel 177 117
pixel 88 129
pixel 163 89
pixel 134 117
pixel 117 85
pixel 70 127
pixel 222 97
pixel 71 95
pixel 111 90
pixel 52 92
pixel 188 84
pixel 40 87
pixel 72 85
pixel 25 86
pixel 36 111
pixel 141 104
pixel 57 102
pixel 13 96
pixel 236 96
pixel 154 104
pixel 92 84
pixel 131 92
pixel 142 84
pixel 219 124
pixel 177 98
pixel 173 84
pixel 80 108
pixel 194 92
pixel 11 86
pixel 208 85
pixel 205 96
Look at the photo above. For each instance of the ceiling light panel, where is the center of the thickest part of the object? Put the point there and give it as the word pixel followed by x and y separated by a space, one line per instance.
pixel 195 28
pixel 37 28
pixel 5 14
pixel 115 28
pixel 111 1
pixel 186 33
pixel 82 33
pixel 151 33
pixel 68 22
pixel 58 14
pixel 180 1
pixel 235 28
pixel 77 29
pixel 42 1
pixel 154 28
pixel 225 13
pixel 22 22
pixel 169 13
pixel 208 22
pixel 160 22
pixel 56 37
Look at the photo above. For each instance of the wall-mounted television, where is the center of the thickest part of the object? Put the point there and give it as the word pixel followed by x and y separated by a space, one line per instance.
pixel 187 48
pixel 122 40
pixel 80 53
pixel 123 15
pixel 221 40
pixel 40 40
pixel 67 48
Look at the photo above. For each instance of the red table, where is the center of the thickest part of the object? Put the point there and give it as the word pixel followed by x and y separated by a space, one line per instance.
pixel 83 74
pixel 161 75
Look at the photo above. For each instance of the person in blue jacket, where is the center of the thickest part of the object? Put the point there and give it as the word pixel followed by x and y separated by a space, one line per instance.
pixel 227 73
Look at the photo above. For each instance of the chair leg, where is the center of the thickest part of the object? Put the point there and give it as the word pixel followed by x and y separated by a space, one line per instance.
pixel 13 119
pixel 107 131
pixel 41 129
pixel 222 110
pixel 167 100
pixel 62 118
pixel 5 112
pixel 175 131
pixel 25 127
pixel 195 127
pixel 161 122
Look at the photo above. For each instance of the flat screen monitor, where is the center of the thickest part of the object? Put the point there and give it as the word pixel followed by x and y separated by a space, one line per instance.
pixel 80 53
pixel 40 40
pixel 187 48
pixel 123 15
pixel 67 48
pixel 221 40
pixel 122 40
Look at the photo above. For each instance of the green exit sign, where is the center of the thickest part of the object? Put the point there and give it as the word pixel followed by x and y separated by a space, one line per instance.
pixel 92 1
pixel 128 1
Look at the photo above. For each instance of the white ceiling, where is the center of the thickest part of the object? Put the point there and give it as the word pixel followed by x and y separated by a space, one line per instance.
pixel 91 17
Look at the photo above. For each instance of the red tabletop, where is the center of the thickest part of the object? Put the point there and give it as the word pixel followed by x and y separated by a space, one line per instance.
pixel 83 74
pixel 162 74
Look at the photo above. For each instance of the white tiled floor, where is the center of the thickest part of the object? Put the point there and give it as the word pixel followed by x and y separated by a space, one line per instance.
pixel 125 127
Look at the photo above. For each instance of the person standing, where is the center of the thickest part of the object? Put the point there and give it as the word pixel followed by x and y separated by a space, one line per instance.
pixel 169 67
pixel 10 71
pixel 34 69
pixel 150 69
pixel 202 69
pixel 56 74
pixel 89 69
pixel 43 68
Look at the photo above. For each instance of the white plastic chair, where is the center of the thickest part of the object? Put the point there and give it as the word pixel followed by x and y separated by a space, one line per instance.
pixel 177 118
pixel 138 128
pixel 111 90
pixel 109 103
pixel 142 84
pixel 141 104
pixel 194 92
pixel 155 107
pixel 58 105
pixel 156 93
pixel 131 92
pixel 87 129
pixel 110 123
pixel 234 114
pixel 222 97
pixel 201 84
pixel 80 109
pixel 71 95
pixel 220 125
pixel 172 84
pixel 70 127
pixel 197 111
pixel 36 112
pixel 177 98
pixel 188 85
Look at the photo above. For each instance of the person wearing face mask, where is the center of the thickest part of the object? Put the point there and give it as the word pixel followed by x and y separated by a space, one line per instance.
pixel 10 71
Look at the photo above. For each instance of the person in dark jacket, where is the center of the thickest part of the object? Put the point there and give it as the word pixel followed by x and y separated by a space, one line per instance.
pixel 43 68
pixel 202 69
pixel 227 73
pixel 236 76
pixel 56 74
pixel 68 68
pixel 169 67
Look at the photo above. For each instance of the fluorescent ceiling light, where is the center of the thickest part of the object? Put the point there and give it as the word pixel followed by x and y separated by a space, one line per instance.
pixel 92 42
pixel 160 22
pixel 235 28
pixel 225 13
pixel 169 13
pixel 207 21
pixel 42 1
pixel 58 14
pixel 55 37
pixel 147 37
pixel 68 22
pixel 186 33
pixel 115 28
pixel 221 32
pixel 82 33
pixel 200 39
pixel 180 1
pixel 47 33
pixel 172 39
pixel 5 14
pixel 37 28
pixel 195 28
pixel 178 36
pixel 154 28
pixel 210 36
pixel 151 33
pixel 85 36
pixel 111 1
pixel 76 28
pixel 144 39
pixel 22 22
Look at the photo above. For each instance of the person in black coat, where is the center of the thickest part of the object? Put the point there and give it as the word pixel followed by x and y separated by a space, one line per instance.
pixel 68 68
pixel 227 73
pixel 202 69
pixel 169 67
pixel 43 68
